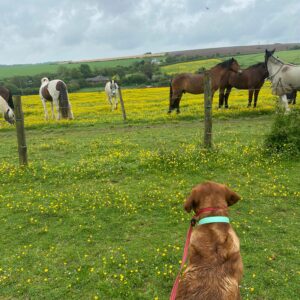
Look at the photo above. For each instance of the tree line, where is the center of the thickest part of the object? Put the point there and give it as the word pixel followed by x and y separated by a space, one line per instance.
pixel 143 72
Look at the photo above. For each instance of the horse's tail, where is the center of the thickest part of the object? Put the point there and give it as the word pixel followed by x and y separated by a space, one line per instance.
pixel 63 99
pixel 171 90
pixel 10 101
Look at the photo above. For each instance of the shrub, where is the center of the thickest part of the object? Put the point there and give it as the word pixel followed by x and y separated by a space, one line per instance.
pixel 285 134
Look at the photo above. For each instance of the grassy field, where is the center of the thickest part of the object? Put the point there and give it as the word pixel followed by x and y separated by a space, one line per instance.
pixel 246 60
pixel 98 213
pixel 190 67
pixel 34 69
pixel 291 56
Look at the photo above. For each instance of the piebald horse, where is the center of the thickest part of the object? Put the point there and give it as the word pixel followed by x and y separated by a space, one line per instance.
pixel 112 93
pixel 56 92
pixel 7 95
pixel 285 77
pixel 6 111
pixel 193 83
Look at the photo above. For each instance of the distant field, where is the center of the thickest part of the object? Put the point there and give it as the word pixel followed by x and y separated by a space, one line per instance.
pixel 291 56
pixel 191 66
pixel 34 69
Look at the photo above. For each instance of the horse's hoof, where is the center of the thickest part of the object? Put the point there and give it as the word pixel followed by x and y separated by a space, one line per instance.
pixel 227 107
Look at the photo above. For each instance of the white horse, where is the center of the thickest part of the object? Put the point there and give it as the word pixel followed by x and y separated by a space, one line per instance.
pixel 112 93
pixel 56 92
pixel 7 112
pixel 285 78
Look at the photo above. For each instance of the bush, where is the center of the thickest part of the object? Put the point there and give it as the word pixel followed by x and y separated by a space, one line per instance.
pixel 285 134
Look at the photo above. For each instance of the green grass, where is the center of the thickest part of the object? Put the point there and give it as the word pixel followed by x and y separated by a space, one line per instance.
pixel 98 212
pixel 190 67
pixel 245 60
pixel 7 71
pixel 290 56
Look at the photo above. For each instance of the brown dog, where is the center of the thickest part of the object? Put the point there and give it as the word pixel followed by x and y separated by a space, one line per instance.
pixel 215 265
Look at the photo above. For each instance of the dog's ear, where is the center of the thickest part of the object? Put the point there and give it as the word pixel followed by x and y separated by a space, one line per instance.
pixel 189 202
pixel 231 196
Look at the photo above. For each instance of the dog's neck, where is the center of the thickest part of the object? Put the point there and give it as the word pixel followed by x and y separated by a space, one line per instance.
pixel 209 212
pixel 214 219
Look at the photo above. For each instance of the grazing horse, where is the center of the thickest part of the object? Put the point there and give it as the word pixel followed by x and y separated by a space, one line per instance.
pixel 7 95
pixel 56 91
pixel 285 78
pixel 251 79
pixel 112 93
pixel 193 83
pixel 6 111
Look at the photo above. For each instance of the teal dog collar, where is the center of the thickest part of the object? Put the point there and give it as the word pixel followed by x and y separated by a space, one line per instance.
pixel 216 219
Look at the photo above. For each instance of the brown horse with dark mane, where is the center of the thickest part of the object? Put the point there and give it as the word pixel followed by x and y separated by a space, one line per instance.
pixel 251 79
pixel 193 83
pixel 7 96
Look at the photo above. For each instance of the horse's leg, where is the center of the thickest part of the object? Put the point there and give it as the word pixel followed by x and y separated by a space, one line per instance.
pixel 108 98
pixel 285 103
pixel 55 100
pixel 221 97
pixel 52 110
pixel 294 97
pixel 227 96
pixel 256 97
pixel 70 113
pixel 115 101
pixel 177 103
pixel 250 95
pixel 45 109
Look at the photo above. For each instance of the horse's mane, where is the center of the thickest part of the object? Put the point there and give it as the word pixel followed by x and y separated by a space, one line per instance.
pixel 227 63
pixel 282 62
pixel 260 64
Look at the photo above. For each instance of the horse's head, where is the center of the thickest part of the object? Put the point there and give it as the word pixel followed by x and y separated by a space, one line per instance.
pixel 9 116
pixel 113 87
pixel 268 54
pixel 234 66
pixel 44 80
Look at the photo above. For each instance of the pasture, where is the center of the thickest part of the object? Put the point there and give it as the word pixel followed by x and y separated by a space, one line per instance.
pixel 98 213
pixel 7 71
pixel 245 60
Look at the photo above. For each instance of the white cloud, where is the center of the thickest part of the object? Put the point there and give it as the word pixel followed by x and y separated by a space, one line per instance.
pixel 37 31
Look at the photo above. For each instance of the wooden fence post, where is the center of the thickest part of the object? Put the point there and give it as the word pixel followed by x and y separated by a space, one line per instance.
pixel 122 104
pixel 207 111
pixel 22 148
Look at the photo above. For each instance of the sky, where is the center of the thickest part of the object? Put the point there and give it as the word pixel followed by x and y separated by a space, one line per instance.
pixel 37 31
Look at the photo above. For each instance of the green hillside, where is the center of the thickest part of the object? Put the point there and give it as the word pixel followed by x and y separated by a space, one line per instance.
pixel 191 66
pixel 290 56
pixel 7 71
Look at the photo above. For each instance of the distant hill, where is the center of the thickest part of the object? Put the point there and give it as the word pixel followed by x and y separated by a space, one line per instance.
pixel 8 71
pixel 235 50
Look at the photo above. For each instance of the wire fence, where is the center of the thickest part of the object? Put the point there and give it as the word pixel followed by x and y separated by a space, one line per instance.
pixel 147 105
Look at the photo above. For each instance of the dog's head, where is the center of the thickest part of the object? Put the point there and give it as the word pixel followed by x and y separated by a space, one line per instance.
pixel 210 194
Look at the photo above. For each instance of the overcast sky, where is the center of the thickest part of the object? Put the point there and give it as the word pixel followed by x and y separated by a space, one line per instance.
pixel 34 31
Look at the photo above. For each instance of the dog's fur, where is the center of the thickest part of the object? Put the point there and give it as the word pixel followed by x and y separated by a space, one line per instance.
pixel 215 265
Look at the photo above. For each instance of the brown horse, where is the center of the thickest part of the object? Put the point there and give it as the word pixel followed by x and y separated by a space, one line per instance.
pixel 251 79
pixel 7 96
pixel 193 83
